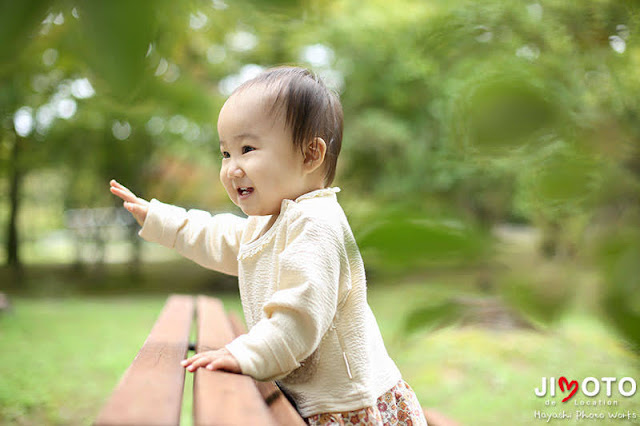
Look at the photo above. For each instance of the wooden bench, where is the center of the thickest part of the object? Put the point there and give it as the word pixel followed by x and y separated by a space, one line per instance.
pixel 150 391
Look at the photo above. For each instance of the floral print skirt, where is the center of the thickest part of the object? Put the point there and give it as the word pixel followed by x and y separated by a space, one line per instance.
pixel 398 406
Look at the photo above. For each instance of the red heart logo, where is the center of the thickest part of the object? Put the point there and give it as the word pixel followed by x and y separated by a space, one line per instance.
pixel 562 382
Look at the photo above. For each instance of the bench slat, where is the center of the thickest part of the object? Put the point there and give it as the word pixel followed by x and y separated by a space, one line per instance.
pixel 150 391
pixel 281 410
pixel 220 397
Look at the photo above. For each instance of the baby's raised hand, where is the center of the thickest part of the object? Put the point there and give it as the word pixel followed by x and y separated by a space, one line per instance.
pixel 138 207
pixel 220 359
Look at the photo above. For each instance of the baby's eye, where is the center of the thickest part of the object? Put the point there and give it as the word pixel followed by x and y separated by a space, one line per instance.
pixel 225 154
pixel 247 148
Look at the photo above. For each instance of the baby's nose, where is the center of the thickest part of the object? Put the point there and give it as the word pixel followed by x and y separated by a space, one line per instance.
pixel 234 171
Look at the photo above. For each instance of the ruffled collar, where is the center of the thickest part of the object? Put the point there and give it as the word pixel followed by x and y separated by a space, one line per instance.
pixel 318 193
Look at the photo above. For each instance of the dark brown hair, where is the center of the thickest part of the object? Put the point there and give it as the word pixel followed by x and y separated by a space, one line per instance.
pixel 311 109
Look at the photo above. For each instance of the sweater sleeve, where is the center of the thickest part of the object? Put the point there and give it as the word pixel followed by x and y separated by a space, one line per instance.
pixel 209 240
pixel 299 313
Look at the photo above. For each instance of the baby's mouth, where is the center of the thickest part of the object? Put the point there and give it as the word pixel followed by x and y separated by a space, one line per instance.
pixel 244 190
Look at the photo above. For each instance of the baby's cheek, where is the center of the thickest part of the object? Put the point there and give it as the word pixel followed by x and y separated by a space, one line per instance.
pixel 233 195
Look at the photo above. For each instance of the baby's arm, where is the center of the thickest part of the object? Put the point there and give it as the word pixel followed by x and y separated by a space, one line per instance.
pixel 220 359
pixel 211 241
pixel 300 312
pixel 136 206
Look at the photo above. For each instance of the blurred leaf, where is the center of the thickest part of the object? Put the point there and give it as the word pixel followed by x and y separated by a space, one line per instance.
pixel 564 177
pixel 433 317
pixel 504 111
pixel 561 181
pixel 18 20
pixel 118 34
pixel 399 240
pixel 543 298
pixel 505 114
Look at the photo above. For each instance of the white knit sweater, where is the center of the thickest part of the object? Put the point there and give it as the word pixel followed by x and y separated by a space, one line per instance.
pixel 304 296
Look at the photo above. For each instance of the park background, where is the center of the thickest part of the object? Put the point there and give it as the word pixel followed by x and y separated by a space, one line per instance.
pixel 490 170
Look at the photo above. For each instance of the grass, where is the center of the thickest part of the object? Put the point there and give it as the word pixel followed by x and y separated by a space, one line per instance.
pixel 60 354
pixel 61 358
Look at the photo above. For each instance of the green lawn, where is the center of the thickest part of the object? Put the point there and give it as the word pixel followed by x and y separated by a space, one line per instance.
pixel 61 358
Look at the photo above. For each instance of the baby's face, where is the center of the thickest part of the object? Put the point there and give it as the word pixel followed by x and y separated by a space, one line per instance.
pixel 260 165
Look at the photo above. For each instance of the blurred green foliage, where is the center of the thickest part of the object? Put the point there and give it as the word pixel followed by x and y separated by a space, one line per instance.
pixel 435 316
pixel 460 115
pixel 17 20
pixel 401 240
pixel 118 35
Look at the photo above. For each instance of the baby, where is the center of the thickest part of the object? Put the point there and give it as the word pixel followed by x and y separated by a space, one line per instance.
pixel 301 276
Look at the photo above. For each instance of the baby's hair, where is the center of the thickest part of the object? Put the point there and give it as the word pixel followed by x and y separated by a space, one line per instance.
pixel 311 109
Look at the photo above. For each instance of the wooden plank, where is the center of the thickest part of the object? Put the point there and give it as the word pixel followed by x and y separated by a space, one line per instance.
pixel 219 397
pixel 150 391
pixel 281 410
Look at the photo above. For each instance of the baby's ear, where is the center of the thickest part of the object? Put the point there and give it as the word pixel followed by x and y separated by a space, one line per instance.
pixel 314 153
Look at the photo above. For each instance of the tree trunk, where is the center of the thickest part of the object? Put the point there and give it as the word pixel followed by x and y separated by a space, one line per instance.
pixel 15 179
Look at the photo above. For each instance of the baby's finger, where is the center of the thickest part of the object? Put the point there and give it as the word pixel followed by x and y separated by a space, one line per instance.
pixel 191 359
pixel 198 363
pixel 115 184
pixel 217 364
pixel 222 364
pixel 140 212
pixel 126 196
